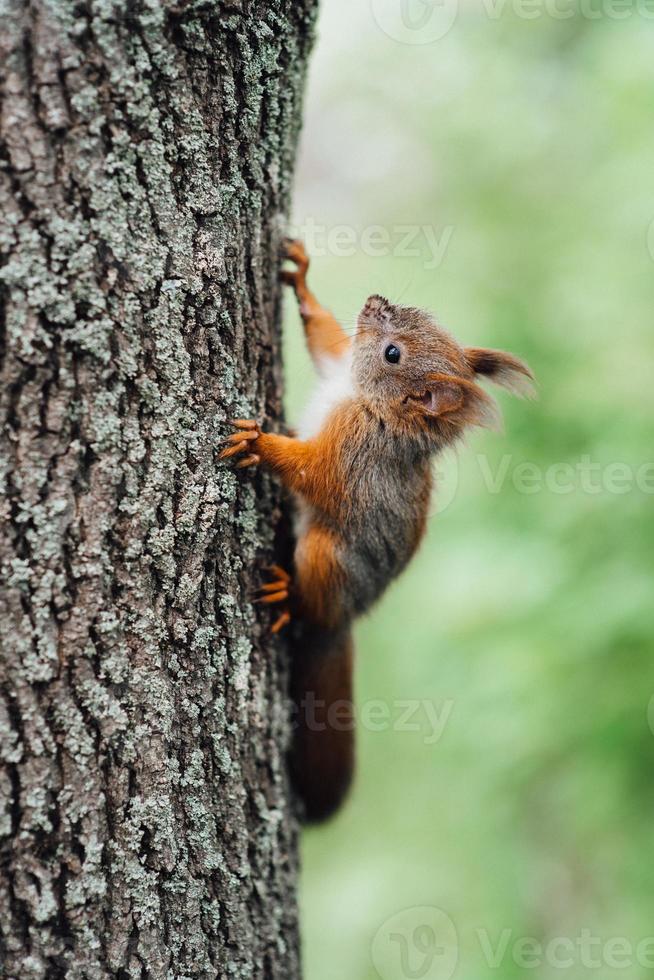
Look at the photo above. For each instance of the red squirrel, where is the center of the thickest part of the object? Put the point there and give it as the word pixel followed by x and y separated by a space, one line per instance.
pixel 389 398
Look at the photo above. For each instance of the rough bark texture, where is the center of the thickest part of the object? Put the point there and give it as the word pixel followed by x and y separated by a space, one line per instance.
pixel 146 151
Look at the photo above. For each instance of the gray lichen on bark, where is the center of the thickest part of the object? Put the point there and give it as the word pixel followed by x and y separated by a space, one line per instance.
pixel 146 153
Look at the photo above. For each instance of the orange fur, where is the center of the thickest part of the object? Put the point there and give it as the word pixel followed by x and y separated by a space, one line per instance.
pixel 324 334
pixel 319 578
pixel 310 468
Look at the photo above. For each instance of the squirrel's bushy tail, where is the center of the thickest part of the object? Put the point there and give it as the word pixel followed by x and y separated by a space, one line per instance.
pixel 322 754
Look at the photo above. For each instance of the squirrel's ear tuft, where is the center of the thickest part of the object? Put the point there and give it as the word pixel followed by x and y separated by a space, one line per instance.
pixel 501 368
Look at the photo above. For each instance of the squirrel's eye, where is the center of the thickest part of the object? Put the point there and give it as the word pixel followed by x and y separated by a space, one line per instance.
pixel 392 354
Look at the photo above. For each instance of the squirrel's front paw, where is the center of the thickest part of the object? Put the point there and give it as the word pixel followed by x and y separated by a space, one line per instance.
pixel 242 441
pixel 294 251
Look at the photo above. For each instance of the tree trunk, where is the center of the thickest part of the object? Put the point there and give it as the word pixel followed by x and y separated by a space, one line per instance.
pixel 146 154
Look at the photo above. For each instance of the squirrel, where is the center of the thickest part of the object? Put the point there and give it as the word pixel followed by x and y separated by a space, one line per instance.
pixel 389 398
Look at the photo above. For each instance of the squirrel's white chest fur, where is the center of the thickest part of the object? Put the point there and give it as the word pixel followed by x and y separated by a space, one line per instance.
pixel 334 386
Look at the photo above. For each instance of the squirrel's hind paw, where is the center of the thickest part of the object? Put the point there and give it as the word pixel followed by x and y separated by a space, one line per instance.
pixel 276 591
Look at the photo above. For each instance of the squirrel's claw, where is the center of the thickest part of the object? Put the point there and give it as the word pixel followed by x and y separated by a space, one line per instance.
pixel 242 441
pixel 250 460
pixel 282 620
pixel 270 587
pixel 273 597
pixel 294 251
pixel 241 436
pixel 238 447
pixel 276 591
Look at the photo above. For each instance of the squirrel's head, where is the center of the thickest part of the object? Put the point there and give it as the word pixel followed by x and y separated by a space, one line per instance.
pixel 416 377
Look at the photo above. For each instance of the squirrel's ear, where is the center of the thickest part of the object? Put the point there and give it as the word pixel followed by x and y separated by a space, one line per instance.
pixel 459 400
pixel 445 398
pixel 502 368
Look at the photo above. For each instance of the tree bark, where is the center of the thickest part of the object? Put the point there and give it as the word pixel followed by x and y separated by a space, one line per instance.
pixel 146 151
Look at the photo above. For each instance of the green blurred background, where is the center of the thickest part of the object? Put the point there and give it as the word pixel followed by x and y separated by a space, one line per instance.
pixel 526 144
